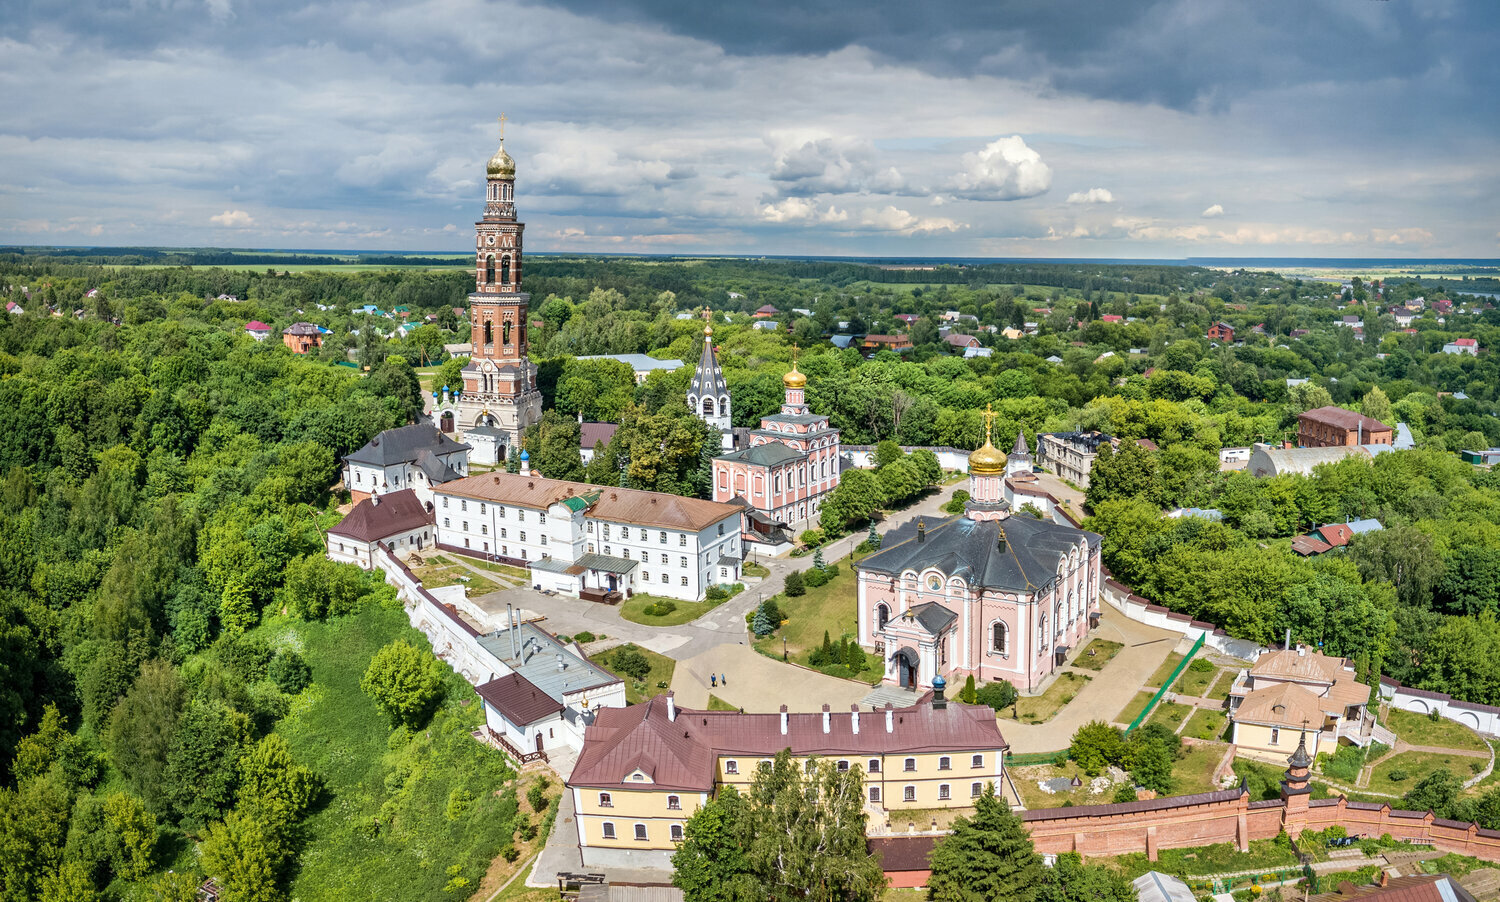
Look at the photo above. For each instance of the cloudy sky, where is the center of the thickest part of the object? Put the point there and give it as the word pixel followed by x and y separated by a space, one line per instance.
pixel 1064 128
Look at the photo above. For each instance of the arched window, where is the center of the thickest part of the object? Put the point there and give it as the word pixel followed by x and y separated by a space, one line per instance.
pixel 505 333
pixel 505 271
pixel 998 638
pixel 489 332
pixel 882 616
pixel 489 269
pixel 1041 633
pixel 708 407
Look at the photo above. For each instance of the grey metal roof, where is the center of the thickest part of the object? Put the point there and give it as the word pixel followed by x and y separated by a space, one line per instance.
pixel 708 378
pixel 796 419
pixel 1154 886
pixel 538 661
pixel 403 444
pixel 971 549
pixel 934 617
pixel 767 455
pixel 436 471
pixel 605 563
pixel 638 362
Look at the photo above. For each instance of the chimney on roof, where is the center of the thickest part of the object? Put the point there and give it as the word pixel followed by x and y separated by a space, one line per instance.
pixel 671 707
pixel 1288 643
pixel 827 718
pixel 854 718
pixel 1385 878
pixel 374 500
pixel 783 720
pixel 890 722
pixel 1301 651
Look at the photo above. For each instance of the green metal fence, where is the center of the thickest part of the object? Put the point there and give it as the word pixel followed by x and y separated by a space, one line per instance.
pixel 1166 684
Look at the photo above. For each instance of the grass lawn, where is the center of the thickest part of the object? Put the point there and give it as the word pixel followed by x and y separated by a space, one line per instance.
pixel 1215 859
pixel 718 704
pixel 1206 724
pixel 1417 765
pixel 1041 708
pixel 657 681
pixel 1159 678
pixel 634 610
pixel 831 608
pixel 437 571
pixel 1027 778
pixel 1195 682
pixel 381 829
pixel 903 894
pixel 1418 729
pixel 1169 714
pixel 756 570
pixel 1136 706
pixel 1096 654
pixel 503 569
pixel 1220 692
pixel 1194 771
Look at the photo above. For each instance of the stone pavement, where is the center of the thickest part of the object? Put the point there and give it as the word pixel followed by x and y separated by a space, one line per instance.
pixel 1110 690
pixel 757 683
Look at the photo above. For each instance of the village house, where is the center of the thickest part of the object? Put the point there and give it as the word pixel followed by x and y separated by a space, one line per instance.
pixel 1333 535
pixel 898 343
pixel 399 521
pixel 644 770
pixel 1468 346
pixel 1221 331
pixel 1071 455
pixel 258 330
pixel 302 337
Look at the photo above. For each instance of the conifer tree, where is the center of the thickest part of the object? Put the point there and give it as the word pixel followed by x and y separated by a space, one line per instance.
pixel 987 857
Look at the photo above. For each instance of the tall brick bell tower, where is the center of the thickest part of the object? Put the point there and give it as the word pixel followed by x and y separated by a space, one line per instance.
pixel 499 391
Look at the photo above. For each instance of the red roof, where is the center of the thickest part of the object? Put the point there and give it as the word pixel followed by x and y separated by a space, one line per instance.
pixel 382 516
pixel 1337 535
pixel 767 308
pixel 1345 419
pixel 1112 318
pixel 518 699
pixel 683 753
pixel 1466 342
pixel 256 325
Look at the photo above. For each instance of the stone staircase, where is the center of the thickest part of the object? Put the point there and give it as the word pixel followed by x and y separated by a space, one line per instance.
pixel 895 695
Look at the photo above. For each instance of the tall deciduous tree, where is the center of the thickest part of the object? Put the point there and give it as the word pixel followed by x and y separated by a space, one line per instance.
pixel 987 857
pixel 243 855
pixel 143 727
pixel 404 682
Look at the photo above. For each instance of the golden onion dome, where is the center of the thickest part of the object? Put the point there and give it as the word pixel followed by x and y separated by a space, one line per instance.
pixel 794 379
pixel 501 166
pixel 708 330
pixel 987 461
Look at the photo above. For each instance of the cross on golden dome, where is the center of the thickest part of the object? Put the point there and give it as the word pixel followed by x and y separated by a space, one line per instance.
pixel 501 120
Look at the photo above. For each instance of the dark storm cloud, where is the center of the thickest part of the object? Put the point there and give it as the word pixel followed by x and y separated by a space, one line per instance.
pixel 1178 53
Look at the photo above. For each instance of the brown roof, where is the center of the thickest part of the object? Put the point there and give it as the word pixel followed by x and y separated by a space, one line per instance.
pixel 682 753
pixel 1282 705
pixel 1308 666
pixel 1340 418
pixel 383 516
pixel 1415 888
pixel 612 504
pixel 591 434
pixel 1308 546
pixel 518 699
pixel 1337 535
pixel 903 853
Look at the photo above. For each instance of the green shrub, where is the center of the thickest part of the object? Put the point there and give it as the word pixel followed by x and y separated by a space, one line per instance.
pixel 1201 665
pixel 716 593
pixel 812 537
pixel 1398 775
pixel 628 660
pixel 659 608
pixel 956 506
pixel 536 796
pixel 289 671
pixel 831 571
pixel 997 695
pixel 795 584
pixel 584 637
pixel 459 800
pixel 816 578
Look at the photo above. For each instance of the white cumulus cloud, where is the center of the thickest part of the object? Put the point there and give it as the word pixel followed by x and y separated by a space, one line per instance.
pixel 1092 196
pixel 1006 169
pixel 233 219
pixel 894 219
pixel 801 209
pixel 1213 212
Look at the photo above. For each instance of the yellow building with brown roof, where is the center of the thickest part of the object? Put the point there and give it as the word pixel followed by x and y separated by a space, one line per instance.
pixel 1292 694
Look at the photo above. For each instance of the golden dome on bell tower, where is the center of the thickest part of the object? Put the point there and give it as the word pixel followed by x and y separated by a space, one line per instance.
pixel 501 166
pixel 987 460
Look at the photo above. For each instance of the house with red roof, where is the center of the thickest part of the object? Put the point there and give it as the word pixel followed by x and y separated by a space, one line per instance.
pixel 1468 346
pixel 766 312
pixel 258 330
pixel 1112 318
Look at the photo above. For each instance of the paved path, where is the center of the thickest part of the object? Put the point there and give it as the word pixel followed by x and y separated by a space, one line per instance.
pixel 758 683
pixel 1110 690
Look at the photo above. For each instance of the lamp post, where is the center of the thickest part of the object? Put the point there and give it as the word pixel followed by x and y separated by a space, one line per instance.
pixel 783 649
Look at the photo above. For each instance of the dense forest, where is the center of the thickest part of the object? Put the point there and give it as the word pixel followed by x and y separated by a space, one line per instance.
pixel 174 650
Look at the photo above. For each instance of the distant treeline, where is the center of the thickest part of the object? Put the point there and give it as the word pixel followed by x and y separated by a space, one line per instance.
pixel 145 256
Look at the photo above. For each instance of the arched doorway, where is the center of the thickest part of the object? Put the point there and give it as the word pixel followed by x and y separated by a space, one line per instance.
pixel 539 741
pixel 907 662
pixel 445 422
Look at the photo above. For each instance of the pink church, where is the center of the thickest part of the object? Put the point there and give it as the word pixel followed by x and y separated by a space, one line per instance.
pixel 998 596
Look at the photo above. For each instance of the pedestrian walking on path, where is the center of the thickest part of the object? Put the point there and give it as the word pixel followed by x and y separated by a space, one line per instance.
pixel 713 681
pixel 723 680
